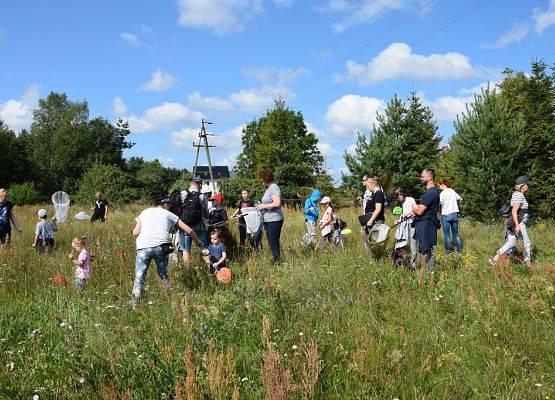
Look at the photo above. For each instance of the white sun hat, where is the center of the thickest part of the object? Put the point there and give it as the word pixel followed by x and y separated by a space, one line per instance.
pixel 325 200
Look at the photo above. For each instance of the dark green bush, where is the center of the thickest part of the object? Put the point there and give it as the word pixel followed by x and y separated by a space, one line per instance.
pixel 24 193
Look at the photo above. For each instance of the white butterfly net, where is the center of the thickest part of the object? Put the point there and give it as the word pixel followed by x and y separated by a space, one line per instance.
pixel 253 219
pixel 61 205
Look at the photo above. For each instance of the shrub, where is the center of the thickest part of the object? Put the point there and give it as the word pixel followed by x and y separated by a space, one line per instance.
pixel 108 179
pixel 24 193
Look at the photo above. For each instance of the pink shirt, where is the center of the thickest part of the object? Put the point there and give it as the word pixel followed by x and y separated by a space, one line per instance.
pixel 84 271
pixel 327 221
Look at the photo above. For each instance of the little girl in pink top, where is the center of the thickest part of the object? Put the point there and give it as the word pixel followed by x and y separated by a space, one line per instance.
pixel 82 263
pixel 328 220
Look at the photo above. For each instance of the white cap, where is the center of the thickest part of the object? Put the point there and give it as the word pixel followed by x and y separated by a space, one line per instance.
pixel 41 213
pixel 325 200
pixel 206 189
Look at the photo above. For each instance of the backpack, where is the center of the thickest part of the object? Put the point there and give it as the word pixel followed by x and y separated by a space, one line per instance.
pixel 176 205
pixel 505 210
pixel 192 208
pixel 339 224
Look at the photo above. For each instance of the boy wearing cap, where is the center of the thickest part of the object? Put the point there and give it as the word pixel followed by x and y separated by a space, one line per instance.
pixel 218 215
pixel 44 232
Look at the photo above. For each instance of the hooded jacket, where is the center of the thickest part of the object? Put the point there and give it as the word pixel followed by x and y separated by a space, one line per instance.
pixel 311 206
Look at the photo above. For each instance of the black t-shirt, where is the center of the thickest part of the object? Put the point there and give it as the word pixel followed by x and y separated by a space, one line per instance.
pixel 100 207
pixel 5 212
pixel 217 216
pixel 377 197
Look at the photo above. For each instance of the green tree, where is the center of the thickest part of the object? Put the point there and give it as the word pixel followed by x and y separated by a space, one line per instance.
pixel 486 154
pixel 532 97
pixel 280 141
pixel 402 143
pixel 110 180
pixel 15 166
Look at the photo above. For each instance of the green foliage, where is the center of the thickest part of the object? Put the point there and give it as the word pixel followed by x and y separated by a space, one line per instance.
pixel 532 98
pixel 279 141
pixel 108 179
pixel 14 165
pixel 150 177
pixel 487 154
pixel 231 189
pixel 182 182
pixel 403 143
pixel 24 193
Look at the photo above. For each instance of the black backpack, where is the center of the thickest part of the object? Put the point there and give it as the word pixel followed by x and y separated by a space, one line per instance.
pixel 192 208
pixel 176 205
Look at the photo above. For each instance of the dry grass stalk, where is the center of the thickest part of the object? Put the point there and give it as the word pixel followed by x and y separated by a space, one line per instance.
pixel 220 368
pixel 266 332
pixel 111 391
pixel 311 370
pixel 425 365
pixel 276 379
pixel 191 387
pixel 112 360
pixel 179 389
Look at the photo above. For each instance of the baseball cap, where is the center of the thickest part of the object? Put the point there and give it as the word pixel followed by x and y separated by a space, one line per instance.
pixel 197 179
pixel 206 189
pixel 41 213
pixel 219 198
pixel 523 180
pixel 325 200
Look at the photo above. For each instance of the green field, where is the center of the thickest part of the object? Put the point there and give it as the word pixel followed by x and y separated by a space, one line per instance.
pixel 331 325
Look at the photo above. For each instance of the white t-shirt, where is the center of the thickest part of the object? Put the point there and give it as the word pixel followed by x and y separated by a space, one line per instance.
pixel 448 199
pixel 407 204
pixel 156 223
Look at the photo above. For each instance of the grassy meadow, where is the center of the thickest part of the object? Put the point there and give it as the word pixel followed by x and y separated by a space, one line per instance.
pixel 327 325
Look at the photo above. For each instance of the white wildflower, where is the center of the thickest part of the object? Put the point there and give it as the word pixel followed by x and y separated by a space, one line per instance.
pixel 81 380
pixel 36 397
pixel 62 324
pixel 244 379
pixel 294 347
pixel 301 334
pixel 539 385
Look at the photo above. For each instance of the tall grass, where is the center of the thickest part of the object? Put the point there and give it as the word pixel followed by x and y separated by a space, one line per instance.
pixel 327 325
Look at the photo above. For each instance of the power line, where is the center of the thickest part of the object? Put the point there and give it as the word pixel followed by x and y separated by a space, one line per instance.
pixel 366 44
pixel 453 21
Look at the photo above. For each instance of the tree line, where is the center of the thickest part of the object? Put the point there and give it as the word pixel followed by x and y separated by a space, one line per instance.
pixel 507 131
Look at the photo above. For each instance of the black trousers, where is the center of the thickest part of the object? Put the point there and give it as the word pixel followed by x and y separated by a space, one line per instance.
pixel 273 233
pixel 242 231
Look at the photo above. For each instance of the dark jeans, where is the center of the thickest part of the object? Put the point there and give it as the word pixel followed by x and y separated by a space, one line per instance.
pixel 273 233
pixel 242 231
pixel 450 224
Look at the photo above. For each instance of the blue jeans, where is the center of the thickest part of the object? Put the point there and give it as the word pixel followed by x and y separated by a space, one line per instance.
pixel 450 224
pixel 142 262
pixel 186 241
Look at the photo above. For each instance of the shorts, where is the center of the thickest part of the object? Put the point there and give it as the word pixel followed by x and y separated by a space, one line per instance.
pixel 185 241
pixel 80 284
pixel 5 235
pixel 46 244
pixel 98 217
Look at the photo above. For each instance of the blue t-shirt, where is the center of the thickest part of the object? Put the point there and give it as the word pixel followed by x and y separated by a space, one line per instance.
pixel 431 200
pixel 217 251
pixel 5 212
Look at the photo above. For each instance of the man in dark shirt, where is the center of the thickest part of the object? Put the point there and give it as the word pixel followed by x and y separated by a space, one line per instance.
pixel 426 220
pixel 100 208
pixel 7 217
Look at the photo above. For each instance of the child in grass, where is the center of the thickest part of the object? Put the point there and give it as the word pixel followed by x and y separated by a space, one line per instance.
pixel 215 255
pixel 82 263
pixel 327 223
pixel 44 232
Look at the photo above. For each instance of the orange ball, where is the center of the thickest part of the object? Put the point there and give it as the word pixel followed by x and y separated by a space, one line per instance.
pixel 224 276
pixel 59 279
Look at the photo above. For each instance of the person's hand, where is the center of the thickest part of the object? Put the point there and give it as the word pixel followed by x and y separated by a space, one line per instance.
pixel 260 207
pixel 54 218
pixel 517 228
pixel 205 252
pixel 71 256
pixel 370 223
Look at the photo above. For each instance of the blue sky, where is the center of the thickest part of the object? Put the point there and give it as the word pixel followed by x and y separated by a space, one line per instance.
pixel 163 65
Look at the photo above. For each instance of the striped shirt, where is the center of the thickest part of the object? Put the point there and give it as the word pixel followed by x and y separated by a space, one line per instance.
pixel 518 197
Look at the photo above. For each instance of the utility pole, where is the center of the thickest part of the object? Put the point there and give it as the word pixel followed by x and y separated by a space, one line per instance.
pixel 203 142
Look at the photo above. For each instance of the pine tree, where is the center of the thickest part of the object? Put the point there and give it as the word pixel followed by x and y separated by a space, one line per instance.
pixel 486 154
pixel 403 142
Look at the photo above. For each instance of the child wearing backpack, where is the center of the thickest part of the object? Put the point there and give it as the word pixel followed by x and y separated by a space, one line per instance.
pixel 44 233
pixel 311 217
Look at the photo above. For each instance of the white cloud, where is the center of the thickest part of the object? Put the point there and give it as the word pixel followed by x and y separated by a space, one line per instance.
pixel 18 114
pixel 515 34
pixel 165 116
pixel 544 18
pixel 196 100
pixel 351 114
pixel 219 16
pixel 478 88
pixel 229 140
pixel 130 38
pixel 159 81
pixel 446 108
pixel 167 162
pixel 398 61
pixel 119 108
pixel 145 29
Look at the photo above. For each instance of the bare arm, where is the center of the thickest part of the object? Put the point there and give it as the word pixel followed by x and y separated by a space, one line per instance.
pixel 514 213
pixel 222 260
pixel 14 222
pixel 187 229
pixel 418 209
pixel 106 211
pixel 375 214
pixel 137 228
pixel 276 203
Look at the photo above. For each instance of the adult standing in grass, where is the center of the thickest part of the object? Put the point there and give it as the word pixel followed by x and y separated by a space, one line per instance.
pixel 518 223
pixel 195 214
pixel 272 214
pixel 406 226
pixel 153 230
pixel 426 221
pixel 449 200
pixel 376 204
pixel 7 218
pixel 100 208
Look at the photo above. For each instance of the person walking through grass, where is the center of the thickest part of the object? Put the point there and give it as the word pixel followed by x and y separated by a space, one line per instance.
pixel 311 217
pixel 100 208
pixel 153 230
pixel 425 220
pixel 517 223
pixel 7 218
pixel 272 214
pixel 449 200
pixel 44 232
pixel 82 263
pixel 195 214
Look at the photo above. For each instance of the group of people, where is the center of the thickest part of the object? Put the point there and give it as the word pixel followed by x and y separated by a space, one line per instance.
pixel 201 218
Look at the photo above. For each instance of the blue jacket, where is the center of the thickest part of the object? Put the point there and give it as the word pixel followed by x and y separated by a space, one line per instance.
pixel 311 206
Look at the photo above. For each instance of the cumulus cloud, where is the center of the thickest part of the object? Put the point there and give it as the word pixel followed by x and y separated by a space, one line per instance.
pixel 165 116
pixel 197 100
pixel 159 81
pixel 119 108
pixel 219 16
pixel 167 162
pixel 229 140
pixel 18 114
pixel 544 18
pixel 399 61
pixel 351 114
pixel 513 35
pixel 130 38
